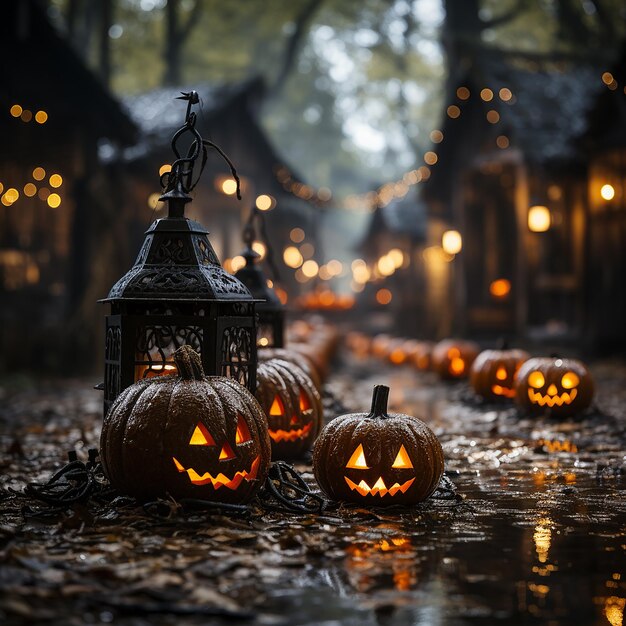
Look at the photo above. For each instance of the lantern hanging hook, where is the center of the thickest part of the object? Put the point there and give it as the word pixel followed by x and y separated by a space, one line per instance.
pixel 181 175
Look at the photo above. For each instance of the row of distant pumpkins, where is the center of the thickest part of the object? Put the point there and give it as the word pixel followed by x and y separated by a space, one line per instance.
pixel 207 437
pixel 545 384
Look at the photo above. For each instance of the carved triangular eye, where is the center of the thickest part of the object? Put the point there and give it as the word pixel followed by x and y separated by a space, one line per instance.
pixel 402 460
pixel 277 407
pixel 243 433
pixel 201 436
pixel 305 405
pixel 357 460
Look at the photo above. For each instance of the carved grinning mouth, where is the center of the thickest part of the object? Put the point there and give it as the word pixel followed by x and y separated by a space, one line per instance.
pixel 541 400
pixel 291 435
pixel 507 392
pixel 220 480
pixel 379 488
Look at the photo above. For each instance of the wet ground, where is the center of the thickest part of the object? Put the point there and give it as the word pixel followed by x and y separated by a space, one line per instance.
pixel 539 536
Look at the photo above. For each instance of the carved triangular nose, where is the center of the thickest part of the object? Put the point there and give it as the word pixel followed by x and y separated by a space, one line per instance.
pixel 226 453
pixel 552 391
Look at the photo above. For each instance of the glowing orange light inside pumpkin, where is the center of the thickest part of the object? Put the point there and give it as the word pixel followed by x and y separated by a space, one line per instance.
pixel 536 380
pixel 277 407
pixel 357 460
pixel 402 460
pixel 501 373
pixel 500 288
pixel 201 436
pixel 305 405
pixel 457 366
pixel 226 452
pixel 570 380
pixel 243 434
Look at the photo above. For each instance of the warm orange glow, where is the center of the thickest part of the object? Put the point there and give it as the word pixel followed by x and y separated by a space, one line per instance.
pixel 357 460
pixel 457 366
pixel 607 192
pixel 614 610
pixel 56 180
pixel 16 110
pixel 41 117
pixel 493 117
pixel 305 405
pixel 43 193
pixel 607 78
pixel 402 459
pixel 552 398
pixel 500 288
pixel 220 480
pixel 229 186
pixel 452 242
pixel 164 169
pixel 26 115
pixel 536 380
pixel 570 380
pixel 296 235
pixel 310 268
pixel 201 436
pixel 292 257
pixel 384 296
pixel 54 200
pixel 11 195
pixel 502 142
pixel 30 190
pixel 264 202
pixel 542 538
pixel 237 263
pixel 486 94
pixel 430 158
pixel 501 373
pixel 226 453
pixel 499 390
pixel 539 219
pixel 259 248
pixel 379 488
pixel 153 201
pixel 277 407
pixel 39 173
pixel 291 435
pixel 243 433
pixel 505 94
pixel 436 136
pixel 453 111
pixel 462 93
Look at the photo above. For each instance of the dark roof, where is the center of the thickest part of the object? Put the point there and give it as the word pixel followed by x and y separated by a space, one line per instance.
pixel 41 69
pixel 550 107
pixel 404 217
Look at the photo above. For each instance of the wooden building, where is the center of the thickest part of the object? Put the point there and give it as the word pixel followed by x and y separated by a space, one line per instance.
pixel 56 198
pixel 510 142
pixel 400 225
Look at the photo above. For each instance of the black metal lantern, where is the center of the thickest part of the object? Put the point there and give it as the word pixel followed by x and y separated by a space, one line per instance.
pixel 270 312
pixel 178 293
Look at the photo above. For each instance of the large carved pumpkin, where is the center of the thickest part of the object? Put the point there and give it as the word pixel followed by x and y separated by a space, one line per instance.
pixel 377 458
pixel 452 358
pixel 292 405
pixel 562 387
pixel 493 373
pixel 189 436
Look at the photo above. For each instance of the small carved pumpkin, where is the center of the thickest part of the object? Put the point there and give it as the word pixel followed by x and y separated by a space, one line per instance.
pixel 189 436
pixel 562 387
pixel 452 358
pixel 295 358
pixel 422 354
pixel 377 458
pixel 292 405
pixel 493 373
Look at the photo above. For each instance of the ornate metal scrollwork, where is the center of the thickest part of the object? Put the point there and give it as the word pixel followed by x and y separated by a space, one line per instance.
pixel 235 353
pixel 156 343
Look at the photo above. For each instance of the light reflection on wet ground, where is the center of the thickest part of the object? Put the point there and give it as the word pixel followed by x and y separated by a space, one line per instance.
pixel 539 539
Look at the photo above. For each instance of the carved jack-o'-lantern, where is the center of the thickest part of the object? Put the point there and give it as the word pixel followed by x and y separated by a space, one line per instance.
pixel 378 458
pixel 292 405
pixel 301 361
pixel 562 387
pixel 452 358
pixel 494 372
pixel 188 436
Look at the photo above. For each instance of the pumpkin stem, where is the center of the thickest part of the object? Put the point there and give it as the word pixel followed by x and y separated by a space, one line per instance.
pixel 189 363
pixel 379 401
pixel 502 344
